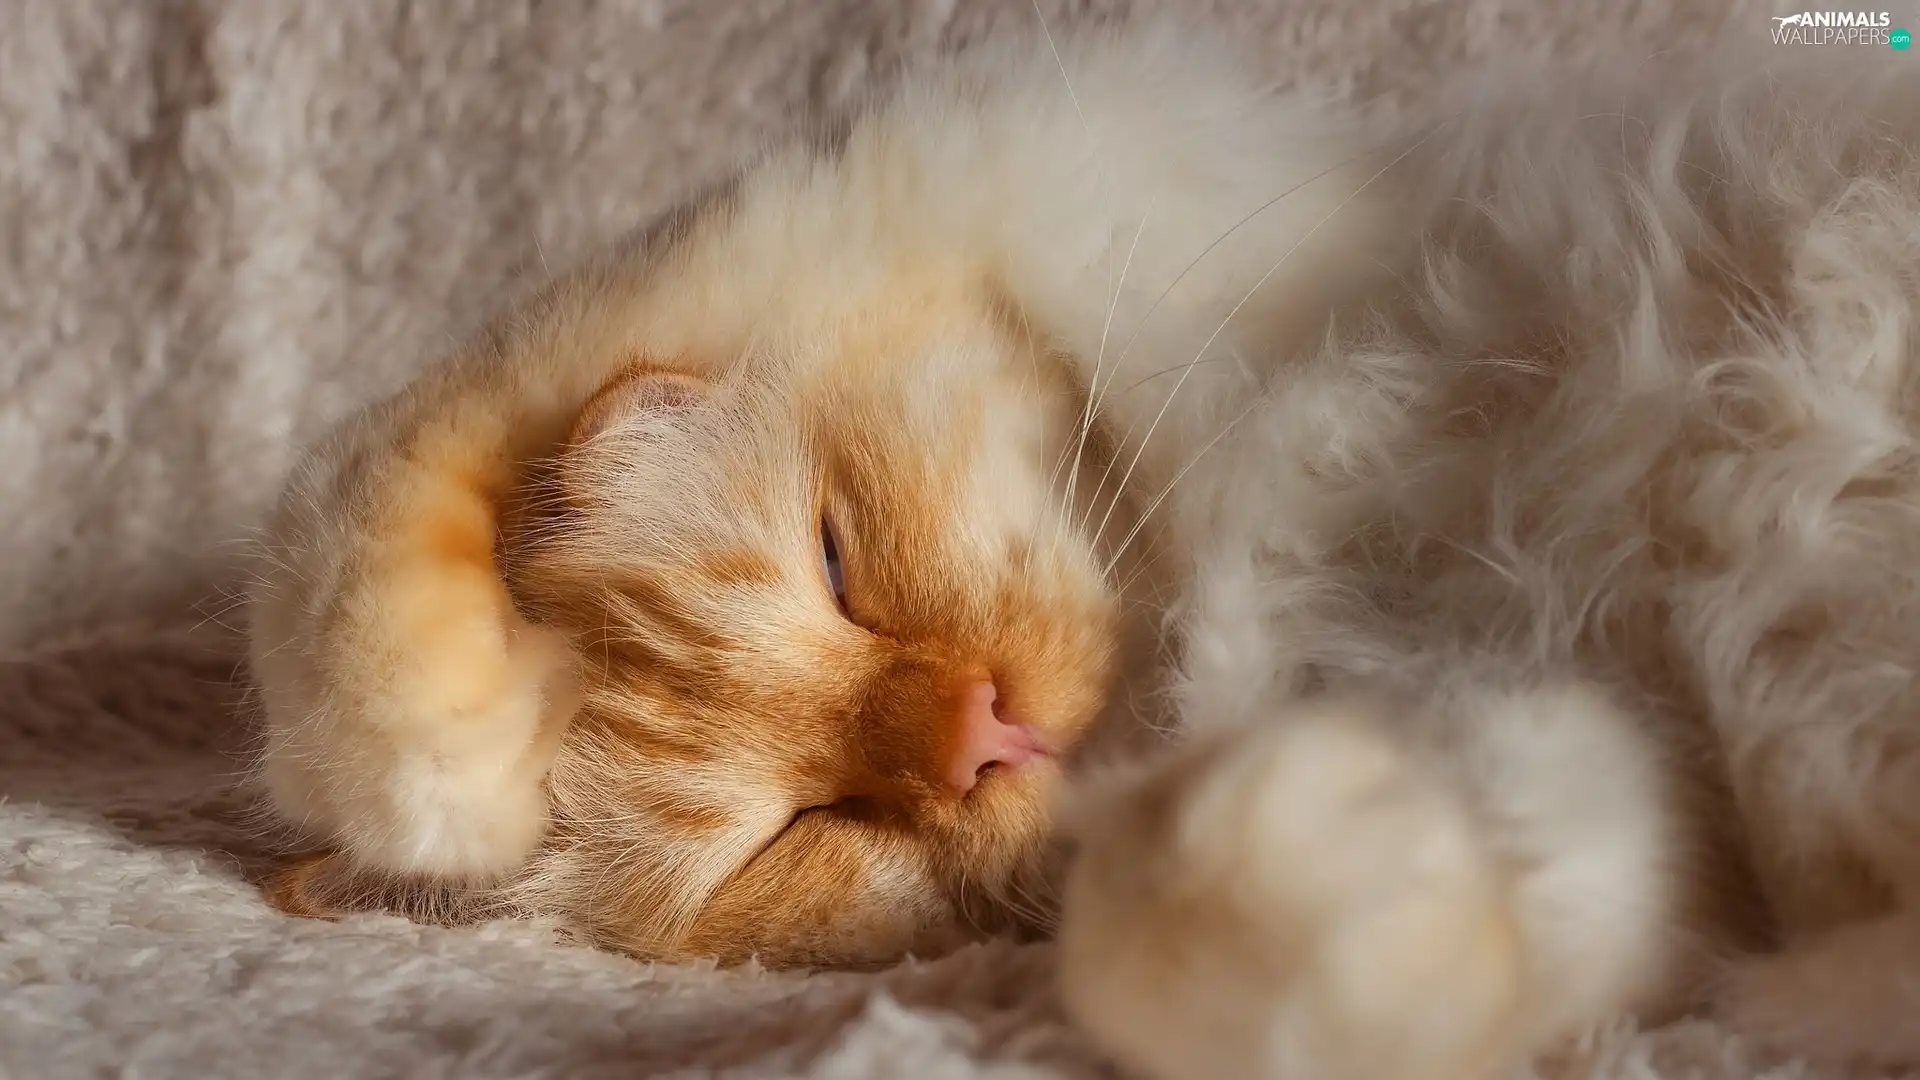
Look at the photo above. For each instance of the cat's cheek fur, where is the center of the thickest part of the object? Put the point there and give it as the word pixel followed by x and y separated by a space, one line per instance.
pixel 1274 900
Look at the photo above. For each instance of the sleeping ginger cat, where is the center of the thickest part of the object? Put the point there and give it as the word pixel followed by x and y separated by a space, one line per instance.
pixel 1512 514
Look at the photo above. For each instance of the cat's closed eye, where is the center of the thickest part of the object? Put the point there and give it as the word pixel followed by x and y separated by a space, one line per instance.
pixel 830 560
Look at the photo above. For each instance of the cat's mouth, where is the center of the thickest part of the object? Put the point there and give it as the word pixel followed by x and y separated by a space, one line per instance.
pixel 1017 749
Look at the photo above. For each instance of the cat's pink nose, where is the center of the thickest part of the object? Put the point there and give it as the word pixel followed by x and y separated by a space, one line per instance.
pixel 986 738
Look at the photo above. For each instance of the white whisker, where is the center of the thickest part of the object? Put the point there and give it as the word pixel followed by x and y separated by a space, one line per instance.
pixel 1147 514
pixel 1055 49
pixel 1140 450
pixel 1090 407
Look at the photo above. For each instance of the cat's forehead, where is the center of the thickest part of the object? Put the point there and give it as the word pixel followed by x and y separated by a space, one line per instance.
pixel 925 369
pixel 866 398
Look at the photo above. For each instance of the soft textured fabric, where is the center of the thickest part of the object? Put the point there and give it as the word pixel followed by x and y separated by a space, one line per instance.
pixel 226 223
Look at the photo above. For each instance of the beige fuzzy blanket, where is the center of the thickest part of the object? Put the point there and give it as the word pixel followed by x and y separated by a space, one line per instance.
pixel 222 223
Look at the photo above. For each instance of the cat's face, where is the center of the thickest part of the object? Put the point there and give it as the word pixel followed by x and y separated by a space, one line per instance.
pixel 840 622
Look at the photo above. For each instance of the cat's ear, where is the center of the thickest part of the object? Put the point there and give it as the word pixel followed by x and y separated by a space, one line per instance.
pixel 640 407
pixel 637 395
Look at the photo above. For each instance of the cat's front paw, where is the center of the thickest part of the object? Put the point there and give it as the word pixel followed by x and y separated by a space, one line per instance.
pixel 1299 899
pixel 430 761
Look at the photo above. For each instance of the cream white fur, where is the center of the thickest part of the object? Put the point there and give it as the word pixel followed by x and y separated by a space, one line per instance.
pixel 1608 492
